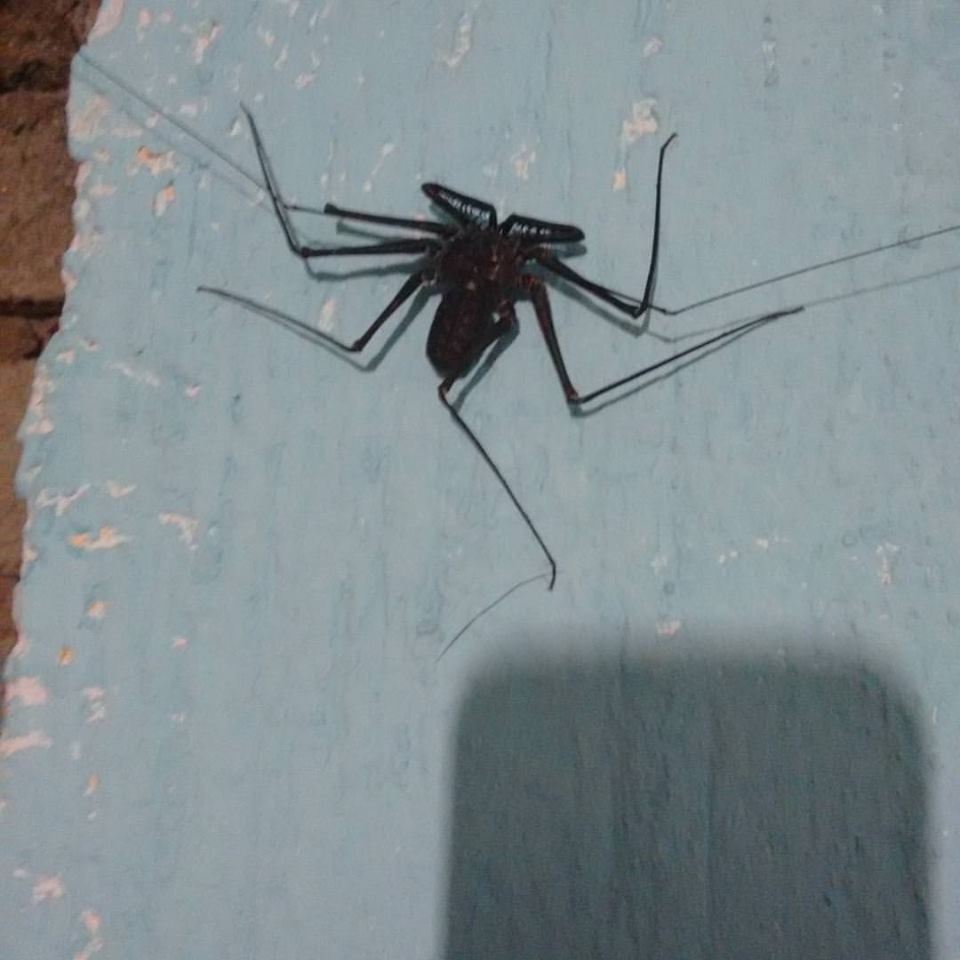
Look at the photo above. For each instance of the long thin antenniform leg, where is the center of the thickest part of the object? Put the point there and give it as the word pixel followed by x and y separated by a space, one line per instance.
pixel 730 334
pixel 405 293
pixel 541 305
pixel 424 226
pixel 628 305
pixel 290 232
pixel 442 391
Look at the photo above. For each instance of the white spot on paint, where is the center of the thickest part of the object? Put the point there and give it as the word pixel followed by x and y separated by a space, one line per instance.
pixel 462 42
pixel 179 718
pixel 728 556
pixel 91 922
pixel 642 122
pixel 267 36
pixel 193 391
pixel 93 785
pixel 652 47
pixel 33 740
pixel 887 554
pixel 28 690
pixel 66 356
pixel 188 527
pixel 107 538
pixel 619 179
pixel 282 58
pixel 190 110
pixel 163 200
pixel 304 80
pixel 47 888
pixel 659 563
pixel 141 376
pixel 144 19
pixel 97 610
pixel 94 697
pixel 385 152
pixel 204 40
pixel 20 648
pixel 153 161
pixel 100 190
pixel 118 491
pixel 668 628
pixel 179 643
pixel 60 501
pixel 522 159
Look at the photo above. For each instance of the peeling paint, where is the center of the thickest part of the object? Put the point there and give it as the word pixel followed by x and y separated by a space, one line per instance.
pixel 887 554
pixel 179 643
pixel 39 423
pixel 97 709
pixel 29 691
pixel 87 123
pixel 642 122
pixel 204 40
pixel 462 42
pixel 162 201
pixel 141 376
pixel 188 526
pixel 65 656
pixel 118 491
pixel 93 785
pixel 97 610
pixel 47 888
pixel 668 628
pixel 107 538
pixel 35 739
pixel 522 159
pixel 154 162
pixel 60 501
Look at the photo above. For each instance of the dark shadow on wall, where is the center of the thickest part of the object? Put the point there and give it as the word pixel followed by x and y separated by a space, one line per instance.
pixel 694 808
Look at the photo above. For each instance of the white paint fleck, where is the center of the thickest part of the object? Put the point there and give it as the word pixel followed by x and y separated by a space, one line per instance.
pixel 93 785
pixel 887 554
pixel 47 888
pixel 522 159
pixel 620 179
pixel 659 563
pixel 188 527
pixel 118 490
pixel 163 200
pixel 652 47
pixel 97 709
pixel 267 36
pixel 668 628
pixel 100 190
pixel 462 42
pixel 282 58
pixel 193 391
pixel 66 357
pixel 179 643
pixel 35 739
pixel 385 151
pixel 728 556
pixel 21 647
pixel 107 539
pixel 97 610
pixel 179 718
pixel 154 161
pixel 61 502
pixel 642 122
pixel 304 80
pixel 28 690
pixel 141 376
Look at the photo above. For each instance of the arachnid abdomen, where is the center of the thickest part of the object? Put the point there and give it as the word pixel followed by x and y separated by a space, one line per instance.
pixel 461 330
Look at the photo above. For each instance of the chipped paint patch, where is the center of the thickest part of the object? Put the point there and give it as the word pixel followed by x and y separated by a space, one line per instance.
pixel 107 538
pixel 188 527
pixel 97 610
pixel 34 740
pixel 304 80
pixel 193 391
pixel 668 628
pixel 87 123
pixel 65 656
pixel 40 423
pixel 162 201
pixel 205 39
pixel 385 152
pixel 118 491
pixel 28 690
pixel 620 179
pixel 153 161
pixel 327 313
pixel 93 785
pixel 728 556
pixel 659 563
pixel 462 42
pixel 522 159
pixel 61 502
pixel 179 643
pixel 642 122
pixel 47 888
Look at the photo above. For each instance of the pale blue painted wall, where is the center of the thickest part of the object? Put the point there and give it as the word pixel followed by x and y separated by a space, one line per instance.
pixel 251 554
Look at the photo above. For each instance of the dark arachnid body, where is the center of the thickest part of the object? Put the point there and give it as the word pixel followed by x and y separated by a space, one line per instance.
pixel 477 265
